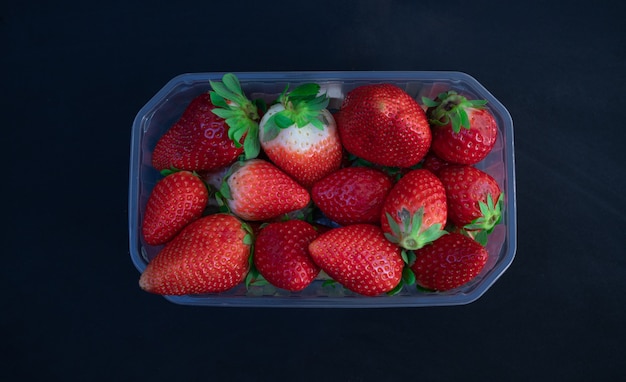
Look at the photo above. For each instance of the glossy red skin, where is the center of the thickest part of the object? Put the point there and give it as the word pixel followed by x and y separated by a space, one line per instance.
pixel 175 201
pixel 360 258
pixel 449 262
pixel 310 164
pixel 198 141
pixel 261 191
pixel 352 195
pixel 468 146
pixel 418 188
pixel 465 187
pixel 382 124
pixel 281 254
pixel 207 256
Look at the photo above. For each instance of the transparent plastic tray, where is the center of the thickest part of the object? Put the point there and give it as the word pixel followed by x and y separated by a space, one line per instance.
pixel 169 103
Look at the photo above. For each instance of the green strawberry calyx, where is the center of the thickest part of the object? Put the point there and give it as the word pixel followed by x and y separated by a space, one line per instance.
pixel 223 194
pixel 491 215
pixel 451 108
pixel 254 277
pixel 240 113
pixel 408 276
pixel 302 106
pixel 407 234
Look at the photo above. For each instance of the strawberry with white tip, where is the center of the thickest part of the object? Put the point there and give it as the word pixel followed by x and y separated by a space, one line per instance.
pixel 299 135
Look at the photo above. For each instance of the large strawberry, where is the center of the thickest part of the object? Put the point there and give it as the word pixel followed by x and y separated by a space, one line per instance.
pixel 175 201
pixel 384 125
pixel 449 262
pixel 463 131
pixel 474 199
pixel 415 211
pixel 212 132
pixel 281 254
pixel 360 258
pixel 210 255
pixel 300 136
pixel 352 195
pixel 257 190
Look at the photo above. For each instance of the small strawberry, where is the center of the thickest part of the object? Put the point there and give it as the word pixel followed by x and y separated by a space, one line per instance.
pixel 463 131
pixel 384 125
pixel 299 135
pixel 257 190
pixel 281 254
pixel 360 258
pixel 449 262
pixel 352 195
pixel 212 132
pixel 415 211
pixel 210 255
pixel 175 201
pixel 474 199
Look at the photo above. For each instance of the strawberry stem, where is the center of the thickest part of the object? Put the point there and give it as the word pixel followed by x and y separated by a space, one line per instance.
pixel 451 108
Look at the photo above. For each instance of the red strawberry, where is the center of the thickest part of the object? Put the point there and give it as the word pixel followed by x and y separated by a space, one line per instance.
pixel 384 125
pixel 281 254
pixel 299 135
pixel 174 202
pixel 257 190
pixel 212 132
pixel 210 255
pixel 433 163
pixel 352 195
pixel 415 210
pixel 449 262
pixel 474 198
pixel 464 131
pixel 360 258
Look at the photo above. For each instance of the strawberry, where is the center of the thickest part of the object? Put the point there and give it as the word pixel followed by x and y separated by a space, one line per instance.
pixel 175 201
pixel 463 131
pixel 474 199
pixel 360 258
pixel 415 210
pixel 299 135
pixel 384 125
pixel 449 262
pixel 257 190
pixel 281 254
pixel 210 255
pixel 433 163
pixel 212 132
pixel 352 195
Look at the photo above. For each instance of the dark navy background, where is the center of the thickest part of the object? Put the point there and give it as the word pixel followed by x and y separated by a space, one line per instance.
pixel 73 75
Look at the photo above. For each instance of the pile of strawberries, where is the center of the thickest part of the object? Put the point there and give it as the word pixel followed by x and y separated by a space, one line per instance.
pixel 381 194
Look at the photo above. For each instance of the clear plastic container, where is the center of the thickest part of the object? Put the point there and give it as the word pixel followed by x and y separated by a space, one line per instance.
pixel 170 102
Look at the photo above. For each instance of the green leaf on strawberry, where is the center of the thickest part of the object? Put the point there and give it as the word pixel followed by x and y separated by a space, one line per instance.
pixel 491 215
pixel 409 236
pixel 255 278
pixel 408 276
pixel 302 106
pixel 450 107
pixel 240 113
